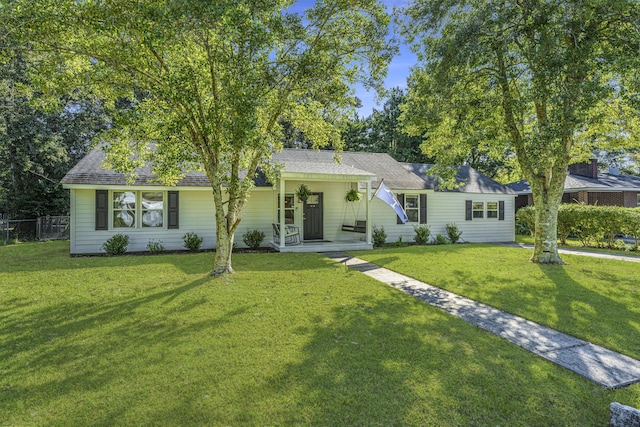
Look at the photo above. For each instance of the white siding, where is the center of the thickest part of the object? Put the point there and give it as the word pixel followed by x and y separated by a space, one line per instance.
pixel 449 207
pixel 197 215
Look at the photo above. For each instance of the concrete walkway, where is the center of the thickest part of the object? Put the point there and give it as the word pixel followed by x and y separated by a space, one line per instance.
pixel 596 363
pixel 594 254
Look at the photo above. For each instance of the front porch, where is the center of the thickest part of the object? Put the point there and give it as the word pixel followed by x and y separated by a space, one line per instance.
pixel 324 246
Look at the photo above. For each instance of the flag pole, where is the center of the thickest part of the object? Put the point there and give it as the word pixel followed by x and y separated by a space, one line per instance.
pixel 377 189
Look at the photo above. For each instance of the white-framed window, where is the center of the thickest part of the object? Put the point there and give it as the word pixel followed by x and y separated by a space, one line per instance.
pixel 289 209
pixel 412 207
pixel 492 210
pixel 138 209
pixel 152 206
pixel 482 210
pixel 638 199
pixel 478 210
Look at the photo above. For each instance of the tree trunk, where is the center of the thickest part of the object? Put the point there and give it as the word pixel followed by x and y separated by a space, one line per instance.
pixel 224 236
pixel 222 260
pixel 546 200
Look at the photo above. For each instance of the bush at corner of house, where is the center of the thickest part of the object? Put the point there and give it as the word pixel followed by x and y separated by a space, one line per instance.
pixel 422 234
pixel 116 244
pixel 192 241
pixel 525 220
pixel 379 236
pixel 453 233
pixel 253 238
pixel 155 247
pixel 441 240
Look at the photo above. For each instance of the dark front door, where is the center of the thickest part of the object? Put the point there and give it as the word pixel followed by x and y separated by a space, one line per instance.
pixel 313 229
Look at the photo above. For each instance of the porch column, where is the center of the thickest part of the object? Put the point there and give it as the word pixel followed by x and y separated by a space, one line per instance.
pixel 368 198
pixel 283 232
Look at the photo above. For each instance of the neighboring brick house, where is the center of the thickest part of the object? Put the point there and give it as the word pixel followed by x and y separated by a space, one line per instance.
pixel 585 185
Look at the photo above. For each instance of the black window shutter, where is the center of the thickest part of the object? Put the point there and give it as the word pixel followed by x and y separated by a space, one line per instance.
pixel 173 209
pixel 423 209
pixel 102 209
pixel 401 201
pixel 469 210
pixel 501 210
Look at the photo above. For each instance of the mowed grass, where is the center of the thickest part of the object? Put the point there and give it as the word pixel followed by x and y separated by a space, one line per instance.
pixel 288 340
pixel 594 299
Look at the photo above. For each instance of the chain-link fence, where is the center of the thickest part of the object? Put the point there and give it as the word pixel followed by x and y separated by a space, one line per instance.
pixel 52 228
pixel 43 228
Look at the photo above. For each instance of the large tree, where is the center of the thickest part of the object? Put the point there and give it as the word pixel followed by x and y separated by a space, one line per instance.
pixel 381 132
pixel 531 77
pixel 39 145
pixel 218 78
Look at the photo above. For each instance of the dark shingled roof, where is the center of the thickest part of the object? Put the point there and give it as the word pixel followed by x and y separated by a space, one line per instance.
pixel 604 182
pixel 90 171
pixel 472 180
pixel 380 164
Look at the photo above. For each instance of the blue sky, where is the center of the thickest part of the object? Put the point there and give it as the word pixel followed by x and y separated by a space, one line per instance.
pixel 399 69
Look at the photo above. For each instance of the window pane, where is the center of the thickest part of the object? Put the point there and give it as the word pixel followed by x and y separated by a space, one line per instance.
pixel 152 200
pixel 492 209
pixel 412 215
pixel 152 208
pixel 288 201
pixel 124 200
pixel 411 202
pixel 289 212
pixel 288 216
pixel 478 209
pixel 124 209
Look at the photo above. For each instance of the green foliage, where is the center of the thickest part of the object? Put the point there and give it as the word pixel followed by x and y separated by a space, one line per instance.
pixel 526 216
pixel 379 236
pixel 192 241
pixel 422 234
pixel 441 240
pixel 381 132
pixel 525 82
pixel 155 247
pixel 399 243
pixel 40 139
pixel 253 238
pixel 303 192
pixel 453 233
pixel 591 225
pixel 353 195
pixel 116 244
pixel 202 93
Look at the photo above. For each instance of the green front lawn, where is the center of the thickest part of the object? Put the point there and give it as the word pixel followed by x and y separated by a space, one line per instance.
pixel 289 340
pixel 594 299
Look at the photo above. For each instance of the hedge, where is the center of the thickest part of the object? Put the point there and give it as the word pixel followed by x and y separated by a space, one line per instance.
pixel 589 224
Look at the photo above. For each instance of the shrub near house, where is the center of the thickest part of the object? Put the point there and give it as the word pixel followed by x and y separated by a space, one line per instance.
pixel 590 224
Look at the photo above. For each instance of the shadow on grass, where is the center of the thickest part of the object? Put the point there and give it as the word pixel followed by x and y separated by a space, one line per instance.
pixel 600 317
pixel 391 362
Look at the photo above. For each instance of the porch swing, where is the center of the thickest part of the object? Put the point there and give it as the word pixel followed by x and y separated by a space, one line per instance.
pixel 358 226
